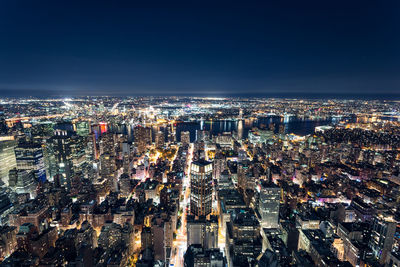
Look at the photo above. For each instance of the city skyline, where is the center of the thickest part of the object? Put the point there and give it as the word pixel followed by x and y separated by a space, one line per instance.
pixel 199 134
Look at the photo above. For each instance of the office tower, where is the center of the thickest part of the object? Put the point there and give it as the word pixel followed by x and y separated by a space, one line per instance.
pixel 7 159
pixel 382 238
pixel 185 138
pixel 92 153
pixel 225 140
pixel 8 240
pixel 171 134
pixel 196 255
pixel 87 235
pixel 29 157
pixel 3 124
pixel 146 238
pixel 219 164
pixel 202 231
pixel 243 242
pixel 165 196
pixel 22 182
pixel 243 175
pixel 108 169
pixel 201 188
pixel 142 136
pixel 126 148
pixel 66 152
pixel 162 236
pixel 125 185
pixel 159 139
pixel 107 144
pixel 202 135
pixel 5 205
pixel 268 204
pixel 82 128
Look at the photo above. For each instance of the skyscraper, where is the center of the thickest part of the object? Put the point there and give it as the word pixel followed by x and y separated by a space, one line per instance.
pixel 202 231
pixel 201 188
pixel 108 169
pixel 142 137
pixel 7 159
pixel 160 139
pixel 185 138
pixel 66 152
pixel 3 124
pixel 382 238
pixel 22 182
pixel 29 157
pixel 268 204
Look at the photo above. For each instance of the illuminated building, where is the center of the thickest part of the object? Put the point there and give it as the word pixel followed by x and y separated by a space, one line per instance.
pixel 202 135
pixel 108 169
pixel 66 152
pixel 201 188
pixel 382 238
pixel 3 124
pixel 185 138
pixel 29 156
pixel 82 128
pixel 197 256
pixel 159 139
pixel 269 204
pixel 107 144
pixel 243 239
pixel 146 238
pixel 202 231
pixel 8 241
pixel 23 182
pixel 142 137
pixel 219 165
pixel 7 159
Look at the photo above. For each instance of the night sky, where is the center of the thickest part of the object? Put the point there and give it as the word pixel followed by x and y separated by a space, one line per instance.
pixel 288 48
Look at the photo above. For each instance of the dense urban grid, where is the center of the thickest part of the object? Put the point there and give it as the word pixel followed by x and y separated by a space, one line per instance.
pixel 186 181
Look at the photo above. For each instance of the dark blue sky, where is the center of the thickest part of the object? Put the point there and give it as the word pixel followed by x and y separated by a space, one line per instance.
pixel 276 48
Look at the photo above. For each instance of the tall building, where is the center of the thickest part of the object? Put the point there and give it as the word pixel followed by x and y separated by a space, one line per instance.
pixel 268 204
pixel 92 153
pixel 185 138
pixel 66 156
pixel 82 128
pixel 22 182
pixel 107 143
pixel 29 157
pixel 146 238
pixel 382 238
pixel 142 136
pixel 108 169
pixel 202 231
pixel 7 159
pixel 3 124
pixel 197 256
pixel 202 135
pixel 219 164
pixel 243 242
pixel 201 188
pixel 8 240
pixel 159 139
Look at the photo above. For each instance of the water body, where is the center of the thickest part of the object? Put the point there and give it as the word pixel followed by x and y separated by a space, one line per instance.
pixel 293 125
pixel 296 126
